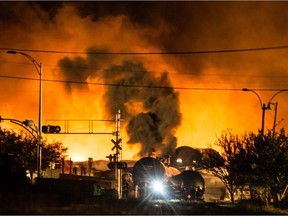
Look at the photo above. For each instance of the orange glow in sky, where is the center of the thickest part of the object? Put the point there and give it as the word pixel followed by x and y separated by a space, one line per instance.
pixel 208 86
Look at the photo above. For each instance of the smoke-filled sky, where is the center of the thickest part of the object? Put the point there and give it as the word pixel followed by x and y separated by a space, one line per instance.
pixel 167 98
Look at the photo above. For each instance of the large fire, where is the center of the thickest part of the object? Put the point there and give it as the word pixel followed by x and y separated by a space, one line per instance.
pixel 196 96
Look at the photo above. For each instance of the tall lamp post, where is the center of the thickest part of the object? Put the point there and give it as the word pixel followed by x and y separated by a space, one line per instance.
pixel 265 107
pixel 38 67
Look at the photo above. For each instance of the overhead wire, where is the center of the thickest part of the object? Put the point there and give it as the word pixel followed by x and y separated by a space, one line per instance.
pixel 150 53
pixel 164 71
pixel 153 53
pixel 157 53
pixel 138 86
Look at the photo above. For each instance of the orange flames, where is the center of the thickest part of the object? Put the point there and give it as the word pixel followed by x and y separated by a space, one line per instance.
pixel 205 111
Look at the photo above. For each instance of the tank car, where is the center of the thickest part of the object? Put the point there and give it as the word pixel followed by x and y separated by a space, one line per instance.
pixel 191 185
pixel 153 179
pixel 185 156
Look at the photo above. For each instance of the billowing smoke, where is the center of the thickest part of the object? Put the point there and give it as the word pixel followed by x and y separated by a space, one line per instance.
pixel 157 114
pixel 148 103
pixel 81 69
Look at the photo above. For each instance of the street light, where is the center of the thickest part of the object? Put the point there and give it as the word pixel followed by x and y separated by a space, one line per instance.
pixel 38 67
pixel 264 107
pixel 25 124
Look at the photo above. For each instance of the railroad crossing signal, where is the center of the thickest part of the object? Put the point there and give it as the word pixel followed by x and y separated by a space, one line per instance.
pixel 51 129
pixel 111 158
pixel 113 162
pixel 116 144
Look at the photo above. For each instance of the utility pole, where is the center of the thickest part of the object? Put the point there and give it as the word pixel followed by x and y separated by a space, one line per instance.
pixel 264 107
pixel 275 116
pixel 115 163
pixel 118 172
pixel 38 67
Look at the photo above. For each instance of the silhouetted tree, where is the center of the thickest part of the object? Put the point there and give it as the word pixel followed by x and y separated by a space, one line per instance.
pixel 262 162
pixel 24 148
pixel 223 166
pixel 271 161
pixel 254 160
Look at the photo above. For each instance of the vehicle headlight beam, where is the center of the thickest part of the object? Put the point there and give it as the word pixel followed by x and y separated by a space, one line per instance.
pixel 158 186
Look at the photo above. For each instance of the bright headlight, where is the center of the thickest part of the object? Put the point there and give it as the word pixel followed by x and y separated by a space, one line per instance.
pixel 158 186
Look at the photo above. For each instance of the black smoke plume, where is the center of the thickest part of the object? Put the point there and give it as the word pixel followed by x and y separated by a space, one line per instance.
pixel 153 127
pixel 80 69
pixel 154 121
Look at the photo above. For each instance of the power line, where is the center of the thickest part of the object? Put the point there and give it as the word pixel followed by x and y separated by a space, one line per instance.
pixel 150 53
pixel 173 73
pixel 79 82
pixel 16 77
pixel 138 86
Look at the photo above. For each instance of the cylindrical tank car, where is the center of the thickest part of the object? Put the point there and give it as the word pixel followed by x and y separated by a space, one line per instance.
pixel 152 178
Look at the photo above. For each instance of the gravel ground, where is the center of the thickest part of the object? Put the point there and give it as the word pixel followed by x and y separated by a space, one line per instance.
pixel 124 207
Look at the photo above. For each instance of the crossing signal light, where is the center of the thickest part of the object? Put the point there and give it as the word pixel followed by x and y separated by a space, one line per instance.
pixel 120 165
pixel 51 129
pixel 111 165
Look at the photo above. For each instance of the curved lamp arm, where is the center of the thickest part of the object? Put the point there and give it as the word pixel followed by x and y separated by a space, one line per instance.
pixel 246 89
pixel 276 95
pixel 35 63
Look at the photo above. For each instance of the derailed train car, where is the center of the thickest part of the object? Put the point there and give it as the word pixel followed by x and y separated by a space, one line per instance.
pixel 154 179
